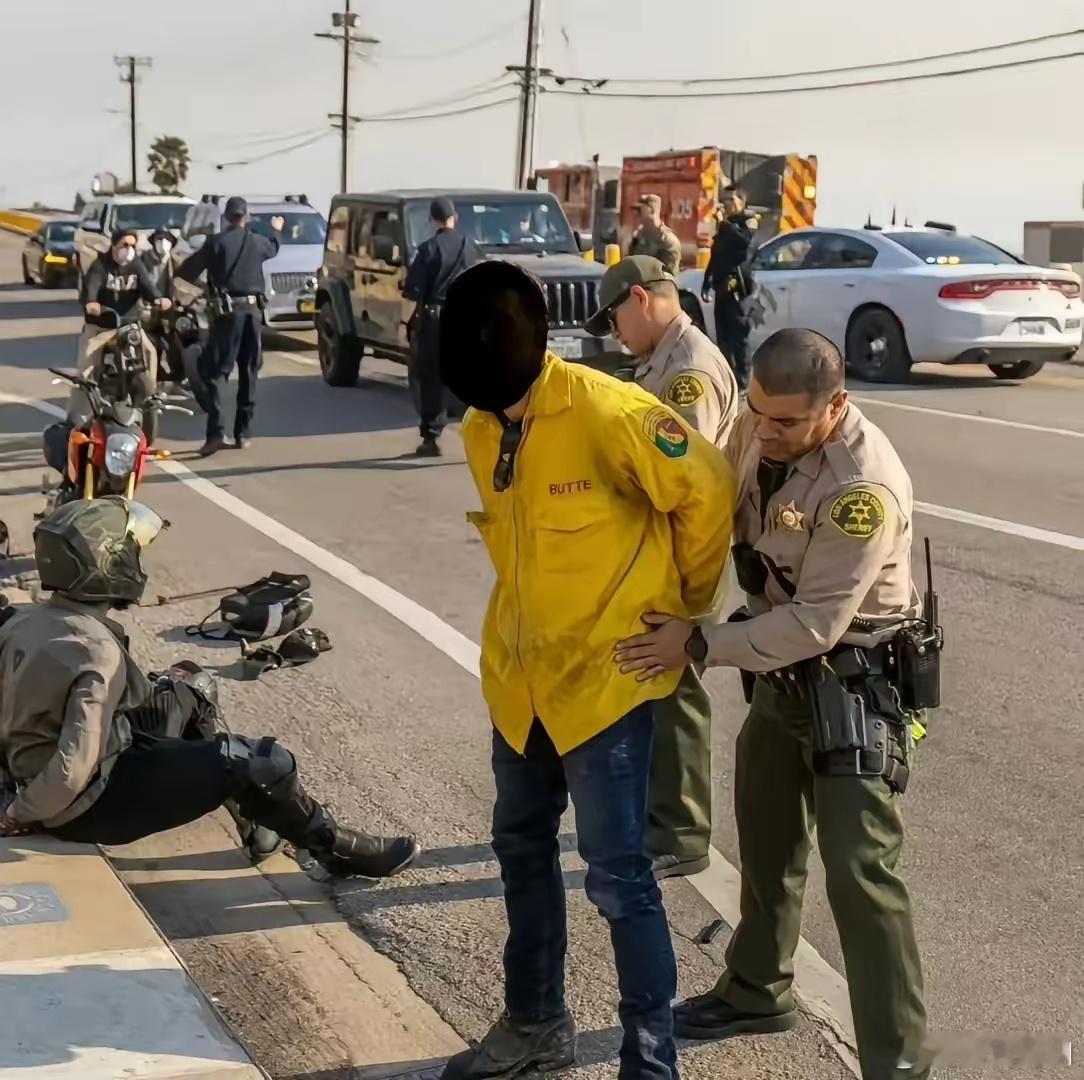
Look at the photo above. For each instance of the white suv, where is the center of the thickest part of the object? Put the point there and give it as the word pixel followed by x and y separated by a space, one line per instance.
pixel 140 213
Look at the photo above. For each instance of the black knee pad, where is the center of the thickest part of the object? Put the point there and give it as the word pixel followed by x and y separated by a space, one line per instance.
pixel 265 763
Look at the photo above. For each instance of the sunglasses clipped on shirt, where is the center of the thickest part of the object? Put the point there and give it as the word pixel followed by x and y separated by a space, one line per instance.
pixel 511 437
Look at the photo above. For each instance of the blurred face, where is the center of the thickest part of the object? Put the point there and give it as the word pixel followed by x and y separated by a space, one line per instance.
pixel 789 426
pixel 647 214
pixel 732 203
pixel 124 249
pixel 630 323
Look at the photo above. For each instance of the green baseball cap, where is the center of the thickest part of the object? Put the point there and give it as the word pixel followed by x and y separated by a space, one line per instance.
pixel 616 285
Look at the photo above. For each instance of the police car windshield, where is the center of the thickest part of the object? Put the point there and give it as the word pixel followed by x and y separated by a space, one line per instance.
pixel 150 215
pixel 512 225
pixel 950 249
pixel 296 228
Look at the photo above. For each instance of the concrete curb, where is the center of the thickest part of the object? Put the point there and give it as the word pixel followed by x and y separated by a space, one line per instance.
pixel 23 222
pixel 88 986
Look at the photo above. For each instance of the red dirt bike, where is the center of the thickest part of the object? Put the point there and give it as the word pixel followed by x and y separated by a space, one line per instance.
pixel 103 453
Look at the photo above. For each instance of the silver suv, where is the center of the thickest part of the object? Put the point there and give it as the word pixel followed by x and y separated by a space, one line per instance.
pixel 290 277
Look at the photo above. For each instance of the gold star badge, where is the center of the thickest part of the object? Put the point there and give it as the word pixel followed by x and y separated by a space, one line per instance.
pixel 790 517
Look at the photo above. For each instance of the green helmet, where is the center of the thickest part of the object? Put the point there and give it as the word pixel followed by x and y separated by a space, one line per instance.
pixel 89 551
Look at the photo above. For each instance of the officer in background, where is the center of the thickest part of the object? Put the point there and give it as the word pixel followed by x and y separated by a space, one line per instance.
pixel 234 263
pixel 823 549
pixel 654 238
pixel 639 305
pixel 439 260
pixel 725 275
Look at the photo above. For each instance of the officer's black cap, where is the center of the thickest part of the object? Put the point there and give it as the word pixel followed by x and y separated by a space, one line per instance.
pixel 236 207
pixel 441 209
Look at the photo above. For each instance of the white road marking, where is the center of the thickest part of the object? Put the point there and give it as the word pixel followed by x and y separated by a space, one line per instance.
pixel 822 989
pixel 1019 425
pixel 297 358
pixel 1010 528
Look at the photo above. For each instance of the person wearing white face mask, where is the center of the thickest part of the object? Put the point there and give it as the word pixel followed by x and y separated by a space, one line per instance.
pixel 118 281
pixel 157 260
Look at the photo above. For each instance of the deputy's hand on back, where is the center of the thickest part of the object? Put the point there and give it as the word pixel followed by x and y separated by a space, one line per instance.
pixel 278 222
pixel 94 309
pixel 658 651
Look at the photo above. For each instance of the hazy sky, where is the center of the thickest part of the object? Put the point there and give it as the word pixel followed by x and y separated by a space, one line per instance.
pixel 237 78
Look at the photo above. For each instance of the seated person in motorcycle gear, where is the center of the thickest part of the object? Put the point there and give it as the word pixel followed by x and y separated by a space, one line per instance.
pixel 156 259
pixel 87 746
pixel 120 281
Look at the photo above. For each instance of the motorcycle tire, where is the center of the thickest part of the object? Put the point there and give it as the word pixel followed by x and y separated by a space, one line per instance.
pixel 191 357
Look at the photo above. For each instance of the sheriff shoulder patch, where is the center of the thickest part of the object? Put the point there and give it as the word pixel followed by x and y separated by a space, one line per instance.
pixel 685 390
pixel 666 433
pixel 858 513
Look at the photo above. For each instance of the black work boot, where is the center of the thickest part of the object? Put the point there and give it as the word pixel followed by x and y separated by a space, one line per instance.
pixel 354 853
pixel 258 841
pixel 428 447
pixel 514 1047
pixel 707 1016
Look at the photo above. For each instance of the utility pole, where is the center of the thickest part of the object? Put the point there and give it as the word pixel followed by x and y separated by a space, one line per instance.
pixel 528 102
pixel 347 21
pixel 128 66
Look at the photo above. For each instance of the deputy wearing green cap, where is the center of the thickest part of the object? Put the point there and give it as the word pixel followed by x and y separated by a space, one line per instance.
pixel 639 306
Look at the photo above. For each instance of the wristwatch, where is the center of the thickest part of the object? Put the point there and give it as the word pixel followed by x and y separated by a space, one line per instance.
pixel 696 648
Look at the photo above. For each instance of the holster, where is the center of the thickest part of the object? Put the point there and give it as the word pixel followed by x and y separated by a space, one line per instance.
pixel 858 727
pixel 748 678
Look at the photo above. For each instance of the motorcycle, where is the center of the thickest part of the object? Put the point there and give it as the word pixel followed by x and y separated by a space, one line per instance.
pixel 123 361
pixel 104 453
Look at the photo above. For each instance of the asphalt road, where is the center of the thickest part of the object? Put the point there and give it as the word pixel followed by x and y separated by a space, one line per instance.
pixel 394 733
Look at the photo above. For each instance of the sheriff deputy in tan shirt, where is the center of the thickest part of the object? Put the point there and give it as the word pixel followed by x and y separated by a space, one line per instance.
pixel 639 305
pixel 823 543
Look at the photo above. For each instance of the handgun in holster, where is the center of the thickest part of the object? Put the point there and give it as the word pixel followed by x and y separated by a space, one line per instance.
pixel 748 678
pixel 847 740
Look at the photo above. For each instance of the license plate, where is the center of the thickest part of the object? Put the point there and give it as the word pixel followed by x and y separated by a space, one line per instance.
pixel 568 348
pixel 306 307
pixel 1032 326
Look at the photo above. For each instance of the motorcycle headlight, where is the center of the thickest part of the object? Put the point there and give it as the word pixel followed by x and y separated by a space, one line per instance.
pixel 132 335
pixel 121 449
pixel 310 284
pixel 183 324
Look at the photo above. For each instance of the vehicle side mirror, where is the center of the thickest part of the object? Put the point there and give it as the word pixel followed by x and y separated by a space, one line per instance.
pixel 584 241
pixel 386 250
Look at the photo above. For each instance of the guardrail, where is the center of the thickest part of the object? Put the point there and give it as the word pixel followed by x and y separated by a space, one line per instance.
pixel 21 221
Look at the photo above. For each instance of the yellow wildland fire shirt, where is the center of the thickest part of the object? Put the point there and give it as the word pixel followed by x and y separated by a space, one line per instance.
pixel 616 507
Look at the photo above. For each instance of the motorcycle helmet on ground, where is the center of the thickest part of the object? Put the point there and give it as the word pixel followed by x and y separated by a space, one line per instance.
pixel 493 332
pixel 90 550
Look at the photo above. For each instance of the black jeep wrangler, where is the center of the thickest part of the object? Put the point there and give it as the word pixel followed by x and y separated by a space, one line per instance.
pixel 372 238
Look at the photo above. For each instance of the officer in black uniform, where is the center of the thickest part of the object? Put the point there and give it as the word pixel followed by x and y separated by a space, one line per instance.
pixel 725 275
pixel 234 263
pixel 438 261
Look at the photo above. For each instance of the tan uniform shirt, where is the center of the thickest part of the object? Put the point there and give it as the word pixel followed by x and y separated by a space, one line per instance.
pixel 65 676
pixel 660 243
pixel 689 373
pixel 839 530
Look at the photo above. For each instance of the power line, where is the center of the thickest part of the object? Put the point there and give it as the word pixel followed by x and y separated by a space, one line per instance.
pixel 835 70
pixel 445 51
pixel 276 153
pixel 498 82
pixel 589 92
pixel 436 115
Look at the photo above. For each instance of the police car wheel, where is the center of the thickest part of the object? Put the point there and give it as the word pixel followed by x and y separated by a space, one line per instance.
pixel 340 357
pixel 27 279
pixel 876 348
pixel 1024 369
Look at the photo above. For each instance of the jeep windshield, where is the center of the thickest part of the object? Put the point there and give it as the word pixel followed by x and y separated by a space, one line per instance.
pixel 498 225
pixel 150 215
pixel 296 228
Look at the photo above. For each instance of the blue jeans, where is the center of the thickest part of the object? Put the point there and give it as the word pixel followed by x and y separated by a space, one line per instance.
pixel 607 778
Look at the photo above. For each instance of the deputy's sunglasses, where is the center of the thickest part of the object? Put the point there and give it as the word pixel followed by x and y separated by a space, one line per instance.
pixel 511 437
pixel 611 311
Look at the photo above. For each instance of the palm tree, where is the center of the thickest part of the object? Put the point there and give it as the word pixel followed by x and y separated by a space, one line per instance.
pixel 168 162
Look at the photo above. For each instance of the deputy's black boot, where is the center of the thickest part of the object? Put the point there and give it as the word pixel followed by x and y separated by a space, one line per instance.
pixel 707 1016
pixel 513 1047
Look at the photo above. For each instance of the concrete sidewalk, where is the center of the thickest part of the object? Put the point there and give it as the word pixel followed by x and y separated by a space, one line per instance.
pixel 88 988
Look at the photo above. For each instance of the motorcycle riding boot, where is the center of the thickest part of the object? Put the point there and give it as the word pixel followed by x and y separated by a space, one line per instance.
pixel 197 696
pixel 269 793
pixel 515 1047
